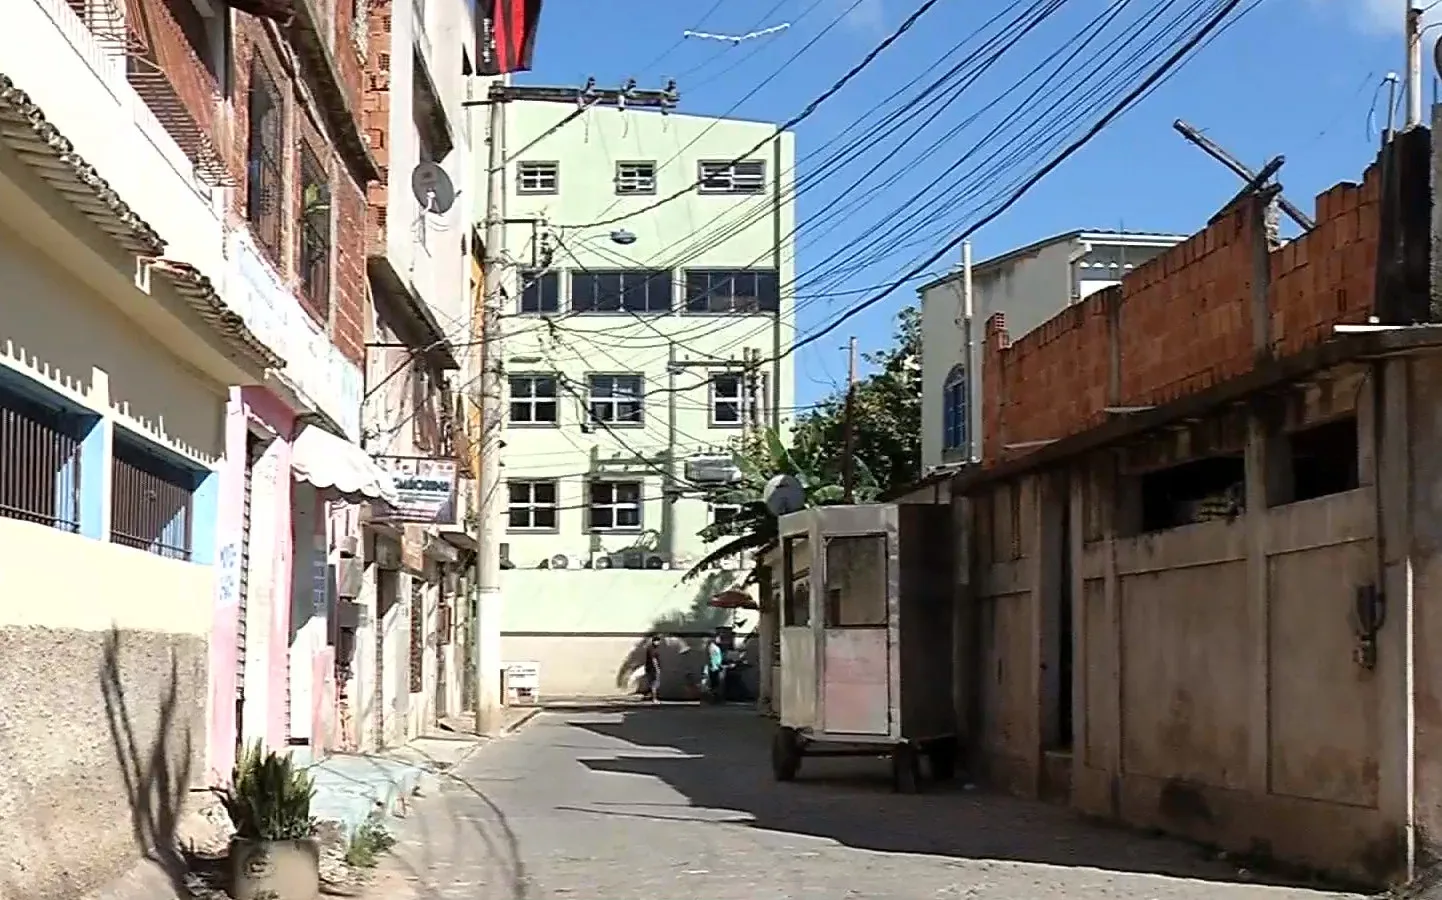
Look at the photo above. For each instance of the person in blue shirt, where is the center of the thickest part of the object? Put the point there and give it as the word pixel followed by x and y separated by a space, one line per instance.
pixel 715 667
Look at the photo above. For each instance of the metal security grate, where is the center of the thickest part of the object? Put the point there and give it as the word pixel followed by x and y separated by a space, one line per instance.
pixel 151 502
pixel 39 463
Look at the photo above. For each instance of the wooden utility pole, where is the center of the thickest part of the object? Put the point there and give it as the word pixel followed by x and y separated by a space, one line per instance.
pixel 848 461
pixel 1215 151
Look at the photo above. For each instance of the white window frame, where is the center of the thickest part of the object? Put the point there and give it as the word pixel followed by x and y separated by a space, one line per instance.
pixel 531 505
pixel 636 177
pixel 724 177
pixel 532 176
pixel 532 400
pixel 737 401
pixel 614 399
pixel 614 508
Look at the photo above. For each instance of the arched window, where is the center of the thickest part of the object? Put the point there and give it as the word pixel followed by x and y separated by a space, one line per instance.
pixel 954 418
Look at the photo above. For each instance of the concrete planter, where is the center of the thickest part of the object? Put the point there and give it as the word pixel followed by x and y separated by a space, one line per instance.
pixel 275 870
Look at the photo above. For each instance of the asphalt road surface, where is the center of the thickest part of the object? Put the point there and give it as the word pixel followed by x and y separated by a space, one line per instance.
pixel 677 802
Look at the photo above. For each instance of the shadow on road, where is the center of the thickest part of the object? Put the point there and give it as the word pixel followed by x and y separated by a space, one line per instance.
pixel 726 770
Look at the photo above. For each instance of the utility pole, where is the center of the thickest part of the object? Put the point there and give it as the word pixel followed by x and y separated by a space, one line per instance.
pixel 848 461
pixel 668 489
pixel 490 499
pixel 753 420
pixel 776 233
pixel 1217 152
pixel 1414 65
pixel 968 314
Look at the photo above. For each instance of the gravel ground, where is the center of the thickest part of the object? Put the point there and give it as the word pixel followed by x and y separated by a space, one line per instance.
pixel 669 802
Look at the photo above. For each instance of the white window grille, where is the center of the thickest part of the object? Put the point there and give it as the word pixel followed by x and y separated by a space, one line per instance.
pixel 533 400
pixel 532 505
pixel 744 176
pixel 635 178
pixel 616 399
pixel 615 505
pixel 727 399
pixel 538 178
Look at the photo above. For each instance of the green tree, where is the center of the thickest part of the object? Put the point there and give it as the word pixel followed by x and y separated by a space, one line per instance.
pixel 887 441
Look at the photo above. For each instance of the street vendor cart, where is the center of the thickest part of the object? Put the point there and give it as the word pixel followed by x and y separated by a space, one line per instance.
pixel 866 638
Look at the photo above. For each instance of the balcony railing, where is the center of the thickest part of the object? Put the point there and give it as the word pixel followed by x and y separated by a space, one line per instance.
pixel 174 83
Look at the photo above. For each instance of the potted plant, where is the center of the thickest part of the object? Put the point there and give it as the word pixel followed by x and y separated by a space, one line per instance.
pixel 274 854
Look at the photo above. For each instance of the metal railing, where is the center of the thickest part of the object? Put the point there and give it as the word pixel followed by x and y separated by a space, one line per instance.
pixel 151 503
pixel 39 464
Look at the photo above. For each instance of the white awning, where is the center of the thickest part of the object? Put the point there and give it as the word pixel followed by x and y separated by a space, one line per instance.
pixel 335 465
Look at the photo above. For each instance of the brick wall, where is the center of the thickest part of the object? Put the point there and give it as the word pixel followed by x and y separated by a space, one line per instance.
pixel 375 117
pixel 303 123
pixel 1183 321
pixel 168 75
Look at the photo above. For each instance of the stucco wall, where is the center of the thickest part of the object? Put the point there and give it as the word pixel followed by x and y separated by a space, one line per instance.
pixel 1215 692
pixel 587 629
pixel 102 705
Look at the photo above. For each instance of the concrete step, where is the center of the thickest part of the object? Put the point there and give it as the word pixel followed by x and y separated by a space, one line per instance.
pixel 350 788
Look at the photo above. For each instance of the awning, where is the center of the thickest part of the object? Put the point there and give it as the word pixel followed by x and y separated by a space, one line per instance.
pixel 336 465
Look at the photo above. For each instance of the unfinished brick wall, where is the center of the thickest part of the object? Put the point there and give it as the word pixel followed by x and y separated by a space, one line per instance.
pixel 375 118
pixel 169 76
pixel 1183 321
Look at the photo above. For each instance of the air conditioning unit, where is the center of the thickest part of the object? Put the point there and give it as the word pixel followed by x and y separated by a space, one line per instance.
pixel 713 469
pixel 629 559
pixel 602 561
pixel 656 562
pixel 350 572
pixel 559 561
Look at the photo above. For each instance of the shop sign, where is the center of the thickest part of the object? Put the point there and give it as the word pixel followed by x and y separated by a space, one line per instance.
pixel 426 488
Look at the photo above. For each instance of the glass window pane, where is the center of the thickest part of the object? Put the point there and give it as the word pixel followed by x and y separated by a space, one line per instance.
pixel 628 492
pixel 856 581
pixel 628 517
pixel 544 492
pixel 520 517
pixel 608 291
pixel 600 492
pixel 545 410
pixel 520 492
pixel 543 387
pixel 545 517
pixel 728 412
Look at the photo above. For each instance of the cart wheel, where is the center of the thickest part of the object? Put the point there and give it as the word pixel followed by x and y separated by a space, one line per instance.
pixel 905 769
pixel 941 755
pixel 785 753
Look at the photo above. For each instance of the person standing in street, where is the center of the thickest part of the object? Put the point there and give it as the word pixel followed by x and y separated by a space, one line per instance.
pixel 715 669
pixel 652 671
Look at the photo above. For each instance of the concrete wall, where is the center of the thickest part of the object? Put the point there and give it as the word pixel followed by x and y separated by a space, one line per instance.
pixel 587 629
pixel 1215 687
pixel 102 647
pixel 103 681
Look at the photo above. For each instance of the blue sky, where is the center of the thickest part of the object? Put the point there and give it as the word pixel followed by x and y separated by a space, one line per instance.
pixel 1293 77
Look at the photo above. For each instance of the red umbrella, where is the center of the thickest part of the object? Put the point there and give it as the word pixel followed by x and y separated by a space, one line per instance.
pixel 732 599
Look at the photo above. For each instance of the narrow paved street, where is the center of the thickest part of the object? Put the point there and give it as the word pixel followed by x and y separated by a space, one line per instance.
pixel 678 802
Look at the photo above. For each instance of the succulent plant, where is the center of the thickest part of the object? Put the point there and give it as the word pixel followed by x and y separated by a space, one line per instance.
pixel 268 798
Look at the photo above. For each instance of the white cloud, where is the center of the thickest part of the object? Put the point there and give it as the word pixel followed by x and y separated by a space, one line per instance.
pixel 867 16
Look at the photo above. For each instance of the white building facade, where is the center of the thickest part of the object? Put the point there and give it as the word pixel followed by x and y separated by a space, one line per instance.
pixel 637 350
pixel 1030 285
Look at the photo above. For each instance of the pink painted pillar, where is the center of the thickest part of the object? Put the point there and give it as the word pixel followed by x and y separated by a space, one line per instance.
pixel 224 627
pixel 274 413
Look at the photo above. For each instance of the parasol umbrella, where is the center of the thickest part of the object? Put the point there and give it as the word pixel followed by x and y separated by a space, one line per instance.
pixel 732 599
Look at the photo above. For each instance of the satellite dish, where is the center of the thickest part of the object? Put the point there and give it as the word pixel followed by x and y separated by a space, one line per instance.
pixel 783 494
pixel 433 188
